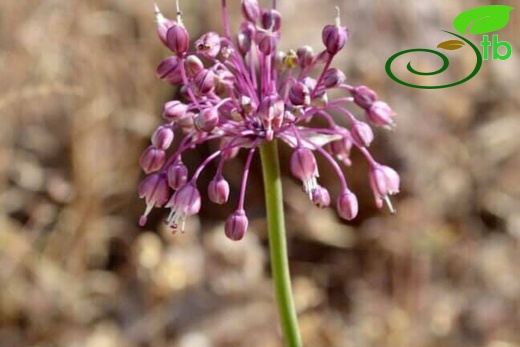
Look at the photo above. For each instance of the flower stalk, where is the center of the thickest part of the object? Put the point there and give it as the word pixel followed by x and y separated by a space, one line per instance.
pixel 278 243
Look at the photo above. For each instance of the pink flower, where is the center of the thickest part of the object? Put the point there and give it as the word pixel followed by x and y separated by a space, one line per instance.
pixel 241 91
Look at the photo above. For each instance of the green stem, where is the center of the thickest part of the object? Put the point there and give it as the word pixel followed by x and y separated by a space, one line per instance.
pixel 278 244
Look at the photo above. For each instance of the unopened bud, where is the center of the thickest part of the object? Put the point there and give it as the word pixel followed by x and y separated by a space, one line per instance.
pixel 271 20
pixel 334 36
pixel 279 61
pixel 364 97
pixel 333 78
pixel 177 38
pixel 163 24
pixel 174 110
pixel 245 37
pixel 321 197
pixel 236 225
pixel 205 81
pixel 243 42
pixel 362 134
pixel 266 42
pixel 152 159
pixel 250 10
pixel 193 65
pixel 299 94
pixel 347 205
pixel 380 113
pixel 162 137
pixel 218 190
pixel 169 70
pixel 206 120
pixel 223 80
pixel 177 175
pixel 305 56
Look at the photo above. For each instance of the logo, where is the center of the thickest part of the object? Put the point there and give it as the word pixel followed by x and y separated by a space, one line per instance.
pixel 479 21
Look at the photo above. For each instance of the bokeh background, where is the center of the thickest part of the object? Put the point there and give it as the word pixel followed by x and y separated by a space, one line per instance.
pixel 78 101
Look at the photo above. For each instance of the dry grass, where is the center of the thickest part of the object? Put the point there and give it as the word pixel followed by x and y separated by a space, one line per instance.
pixel 78 100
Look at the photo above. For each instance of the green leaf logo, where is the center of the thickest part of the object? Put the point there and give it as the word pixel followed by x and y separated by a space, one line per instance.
pixel 451 45
pixel 482 20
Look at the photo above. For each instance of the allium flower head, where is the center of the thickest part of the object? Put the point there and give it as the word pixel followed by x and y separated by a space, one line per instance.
pixel 241 91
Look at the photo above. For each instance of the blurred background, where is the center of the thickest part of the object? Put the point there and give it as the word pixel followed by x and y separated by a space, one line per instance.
pixel 79 100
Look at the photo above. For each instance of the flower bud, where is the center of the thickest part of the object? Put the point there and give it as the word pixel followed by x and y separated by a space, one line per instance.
pixel 270 112
pixel 208 44
pixel 320 197
pixel 174 110
pixel 236 225
pixel 347 205
pixel 193 65
pixel 185 202
pixel 384 181
pixel 205 81
pixel 169 70
pixel 334 37
pixel 266 42
pixel 218 190
pixel 162 137
pixel 177 38
pixel 341 150
pixel 250 10
pixel 177 175
pixel 186 122
pixel 223 80
pixel 279 59
pixel 305 56
pixel 245 36
pixel 154 189
pixel 271 20
pixel 333 78
pixel 243 42
pixel 206 120
pixel 152 159
pixel 364 97
pixel 163 24
pixel 299 94
pixel 380 113
pixel 304 167
pixel 362 134
pixel 303 164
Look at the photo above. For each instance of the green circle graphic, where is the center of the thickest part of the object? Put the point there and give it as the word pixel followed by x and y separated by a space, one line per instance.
pixel 445 64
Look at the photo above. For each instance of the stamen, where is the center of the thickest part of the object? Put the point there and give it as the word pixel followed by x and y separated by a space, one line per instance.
pixel 389 204
pixel 179 12
pixel 338 18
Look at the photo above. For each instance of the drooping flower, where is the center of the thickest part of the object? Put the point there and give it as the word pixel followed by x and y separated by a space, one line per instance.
pixel 241 91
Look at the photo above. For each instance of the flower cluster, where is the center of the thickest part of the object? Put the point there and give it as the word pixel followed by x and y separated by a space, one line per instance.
pixel 241 91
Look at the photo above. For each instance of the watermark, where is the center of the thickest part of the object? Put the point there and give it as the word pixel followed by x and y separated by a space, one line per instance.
pixel 479 21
